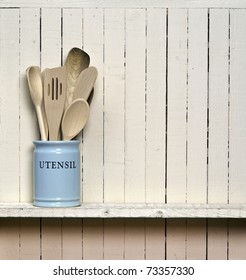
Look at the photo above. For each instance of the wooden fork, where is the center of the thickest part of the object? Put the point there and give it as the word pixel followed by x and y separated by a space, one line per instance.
pixel 54 99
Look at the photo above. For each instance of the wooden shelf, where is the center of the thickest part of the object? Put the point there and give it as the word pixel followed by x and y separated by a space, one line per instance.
pixel 126 211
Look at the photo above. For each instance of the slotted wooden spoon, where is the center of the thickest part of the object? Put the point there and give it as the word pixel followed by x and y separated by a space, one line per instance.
pixel 54 98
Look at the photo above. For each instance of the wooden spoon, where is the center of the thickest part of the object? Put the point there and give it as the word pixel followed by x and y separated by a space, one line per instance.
pixel 74 118
pixel 36 91
pixel 77 60
pixel 85 83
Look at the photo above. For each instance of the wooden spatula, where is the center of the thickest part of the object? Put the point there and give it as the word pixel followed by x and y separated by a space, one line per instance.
pixel 54 99
pixel 85 83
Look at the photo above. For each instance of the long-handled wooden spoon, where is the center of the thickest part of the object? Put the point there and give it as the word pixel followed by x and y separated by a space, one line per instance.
pixel 36 91
pixel 85 83
pixel 77 60
pixel 74 119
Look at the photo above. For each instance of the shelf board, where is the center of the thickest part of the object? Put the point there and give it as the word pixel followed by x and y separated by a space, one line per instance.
pixel 133 210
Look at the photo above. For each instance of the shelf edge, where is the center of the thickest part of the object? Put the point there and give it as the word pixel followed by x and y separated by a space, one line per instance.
pixel 14 210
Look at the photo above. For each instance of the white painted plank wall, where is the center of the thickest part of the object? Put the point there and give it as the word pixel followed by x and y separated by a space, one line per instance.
pixel 126 134
pixel 124 145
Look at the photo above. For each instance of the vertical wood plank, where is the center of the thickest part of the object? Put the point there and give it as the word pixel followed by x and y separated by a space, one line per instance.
pixel 155 105
pixel 29 40
pixel 30 239
pixel 114 99
pixel 93 154
pixel 93 239
pixel 51 38
pixel 237 239
pixel 113 239
pixel 177 98
pixel 51 248
pixel 72 239
pixel 114 106
pixel 72 35
pixel 177 129
pixel 9 105
pixel 135 106
pixel 93 132
pixel 218 128
pixel 134 239
pixel 237 191
pixel 196 239
pixel 51 57
pixel 176 239
pixel 218 100
pixel 217 239
pixel 155 239
pixel 197 106
pixel 9 239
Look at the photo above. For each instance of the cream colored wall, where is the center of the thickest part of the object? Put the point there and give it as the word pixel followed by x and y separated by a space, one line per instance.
pixel 166 124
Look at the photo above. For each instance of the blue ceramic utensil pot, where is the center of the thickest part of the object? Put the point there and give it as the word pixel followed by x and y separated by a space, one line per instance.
pixel 56 173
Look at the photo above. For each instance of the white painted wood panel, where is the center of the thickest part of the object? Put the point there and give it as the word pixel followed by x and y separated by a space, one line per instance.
pixel 126 133
pixel 135 94
pixel 197 106
pixel 93 153
pixel 141 49
pixel 176 239
pixel 155 239
pixel 237 166
pixel 114 239
pixel 218 106
pixel 155 105
pixel 114 105
pixel 29 40
pixel 9 239
pixel 177 106
pixel 51 239
pixel 29 239
pixel 9 105
pixel 51 42
pixel 217 236
pixel 72 239
pixel 93 239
